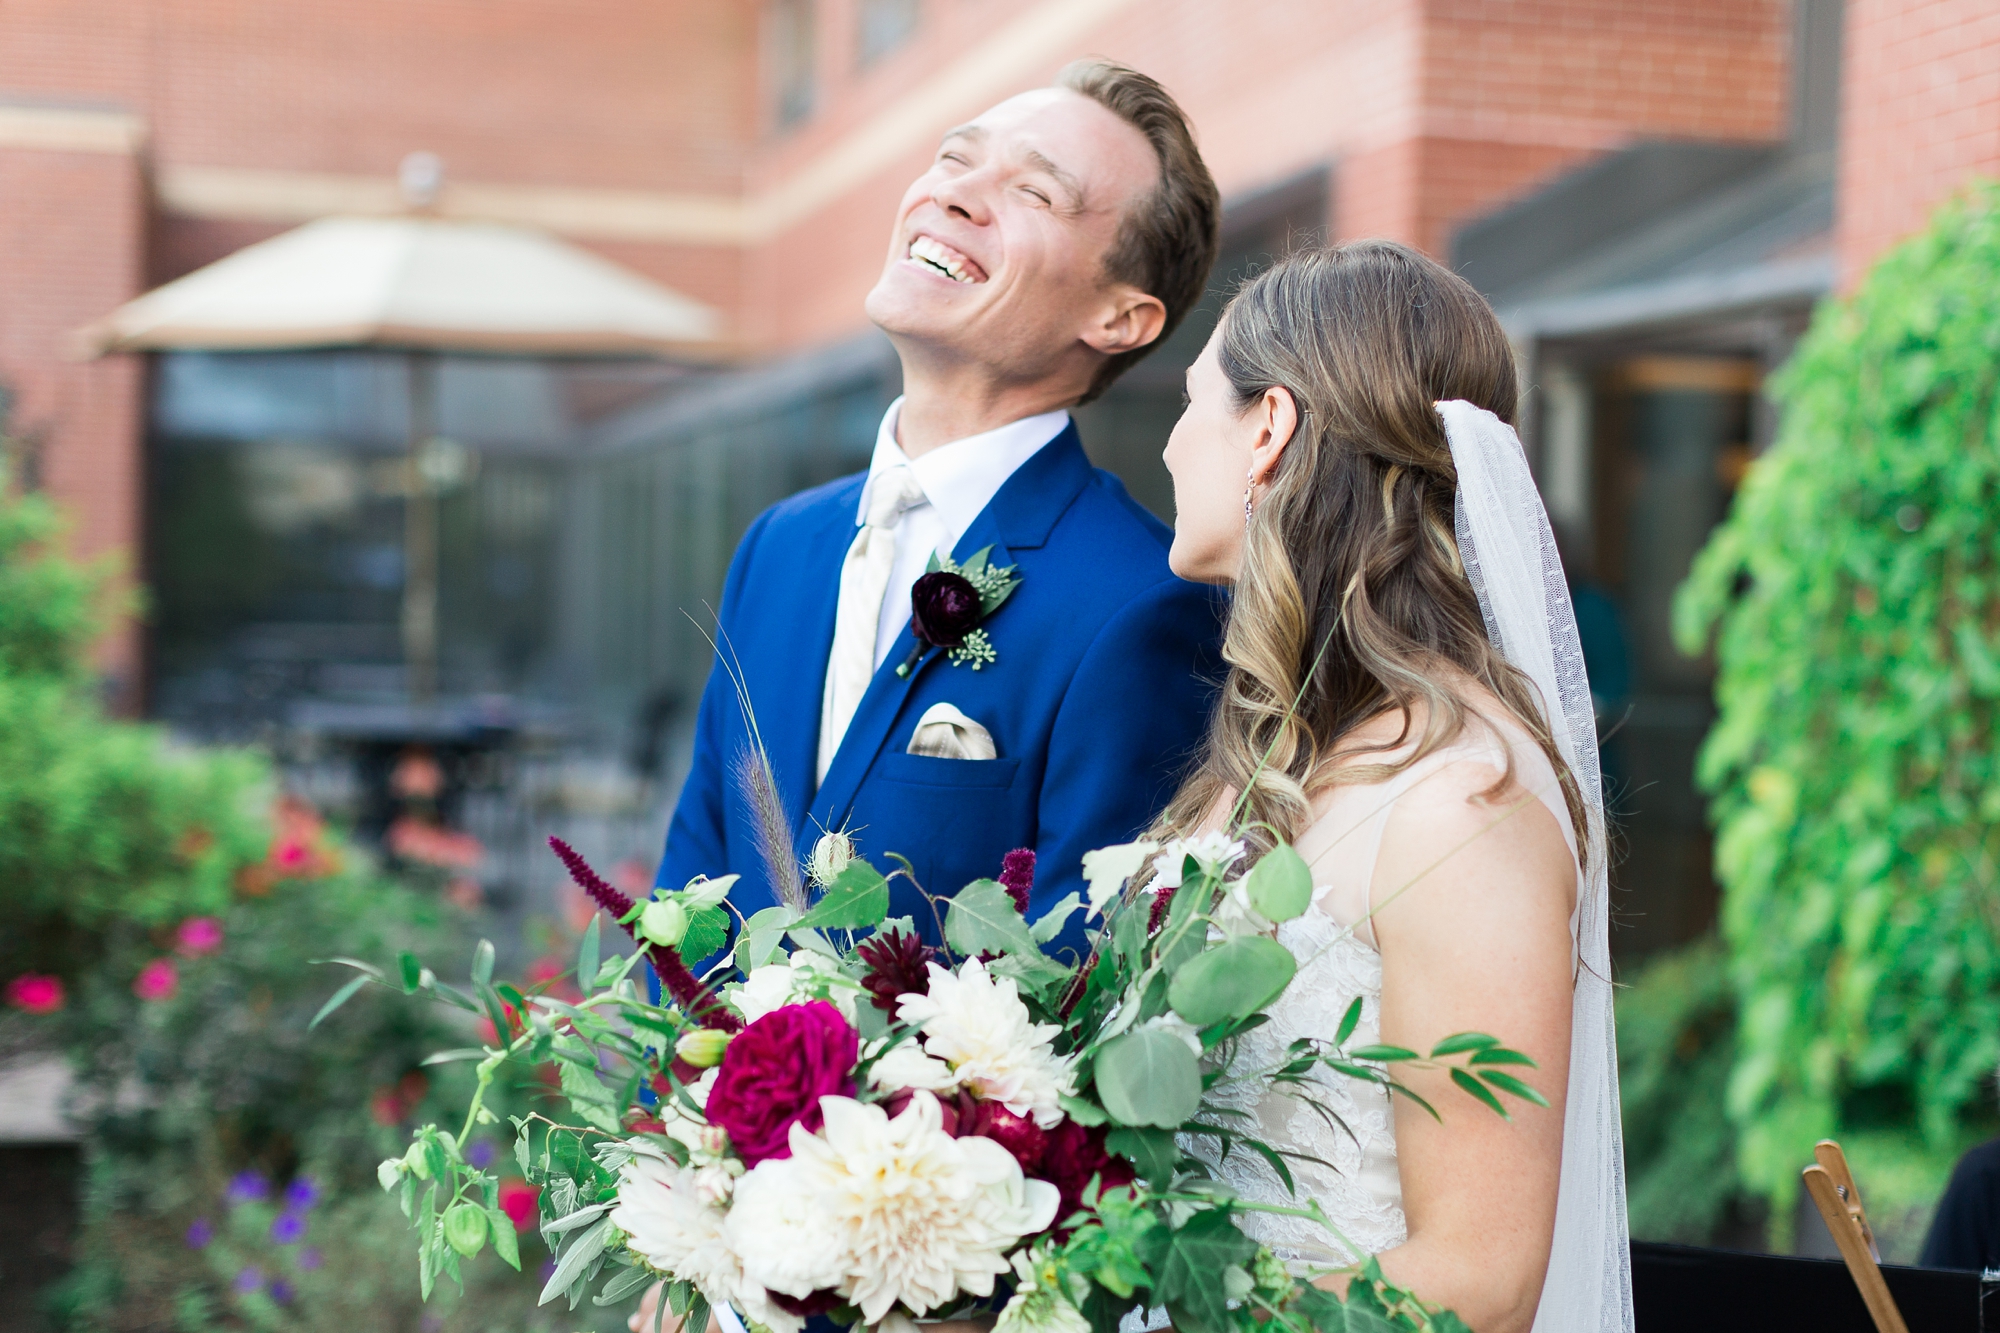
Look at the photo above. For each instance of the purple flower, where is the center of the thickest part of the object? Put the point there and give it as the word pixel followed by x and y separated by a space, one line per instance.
pixel 289 1229
pixel 302 1193
pixel 248 1187
pixel 281 1291
pixel 249 1280
pixel 431 1323
pixel 480 1154
pixel 310 1258
pixel 1017 872
pixel 944 608
pixel 199 1233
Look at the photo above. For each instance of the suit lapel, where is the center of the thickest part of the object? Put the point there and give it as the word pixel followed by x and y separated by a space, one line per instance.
pixel 1021 515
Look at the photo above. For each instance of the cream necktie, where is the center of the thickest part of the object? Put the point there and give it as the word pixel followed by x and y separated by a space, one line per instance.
pixel 864 580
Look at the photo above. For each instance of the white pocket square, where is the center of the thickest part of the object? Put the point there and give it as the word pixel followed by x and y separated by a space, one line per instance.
pixel 945 733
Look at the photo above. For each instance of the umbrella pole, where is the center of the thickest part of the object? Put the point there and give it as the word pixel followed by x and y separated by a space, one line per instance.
pixel 420 536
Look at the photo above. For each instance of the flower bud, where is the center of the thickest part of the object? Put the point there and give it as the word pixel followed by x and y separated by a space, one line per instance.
pixel 830 855
pixel 702 1047
pixel 465 1228
pixel 664 922
pixel 418 1162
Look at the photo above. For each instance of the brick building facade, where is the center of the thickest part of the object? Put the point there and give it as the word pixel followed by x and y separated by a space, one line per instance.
pixel 140 139
pixel 1654 193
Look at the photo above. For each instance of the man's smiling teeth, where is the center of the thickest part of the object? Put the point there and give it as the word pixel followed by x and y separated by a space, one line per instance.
pixel 944 259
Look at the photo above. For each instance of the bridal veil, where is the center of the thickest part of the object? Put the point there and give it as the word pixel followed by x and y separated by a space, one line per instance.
pixel 1510 558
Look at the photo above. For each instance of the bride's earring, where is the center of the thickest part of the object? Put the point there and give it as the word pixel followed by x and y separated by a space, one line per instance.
pixel 1249 491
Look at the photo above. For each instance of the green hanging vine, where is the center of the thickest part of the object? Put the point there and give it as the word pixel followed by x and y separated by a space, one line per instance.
pixel 1853 601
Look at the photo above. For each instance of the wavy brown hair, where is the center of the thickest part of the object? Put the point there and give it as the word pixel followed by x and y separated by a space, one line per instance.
pixel 1352 601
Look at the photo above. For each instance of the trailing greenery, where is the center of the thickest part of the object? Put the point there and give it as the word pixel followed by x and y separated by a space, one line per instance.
pixel 1853 602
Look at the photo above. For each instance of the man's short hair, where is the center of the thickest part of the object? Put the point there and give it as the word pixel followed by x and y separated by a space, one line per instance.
pixel 1166 243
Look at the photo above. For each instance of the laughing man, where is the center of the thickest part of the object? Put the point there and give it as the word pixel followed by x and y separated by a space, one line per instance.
pixel 1052 242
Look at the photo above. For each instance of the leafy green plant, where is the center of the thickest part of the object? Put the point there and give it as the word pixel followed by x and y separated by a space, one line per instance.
pixel 105 821
pixel 1676 1045
pixel 1853 602
pixel 164 913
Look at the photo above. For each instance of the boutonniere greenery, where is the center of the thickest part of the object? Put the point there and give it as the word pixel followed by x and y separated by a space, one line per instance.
pixel 951 602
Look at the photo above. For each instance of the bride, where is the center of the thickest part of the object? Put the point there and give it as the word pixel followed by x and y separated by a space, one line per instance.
pixel 1406 703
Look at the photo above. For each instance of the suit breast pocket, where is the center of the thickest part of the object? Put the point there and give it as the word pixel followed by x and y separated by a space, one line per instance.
pixel 920 770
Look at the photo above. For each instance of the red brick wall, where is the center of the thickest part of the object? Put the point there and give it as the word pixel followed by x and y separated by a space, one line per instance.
pixel 1431 110
pixel 1434 110
pixel 1920 114
pixel 71 247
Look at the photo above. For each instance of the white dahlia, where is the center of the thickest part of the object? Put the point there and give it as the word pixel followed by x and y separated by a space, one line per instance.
pixel 905 1065
pixel 782 1232
pixel 668 1225
pixel 976 1023
pixel 803 976
pixel 917 1216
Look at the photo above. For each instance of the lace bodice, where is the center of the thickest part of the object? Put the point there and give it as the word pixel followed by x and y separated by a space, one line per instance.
pixel 1357 1185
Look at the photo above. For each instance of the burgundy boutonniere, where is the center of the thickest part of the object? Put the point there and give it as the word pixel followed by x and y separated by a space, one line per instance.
pixel 950 604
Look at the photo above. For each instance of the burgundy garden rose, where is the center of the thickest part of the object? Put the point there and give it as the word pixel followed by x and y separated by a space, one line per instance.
pixel 1022 1137
pixel 944 608
pixel 774 1073
pixel 1073 1154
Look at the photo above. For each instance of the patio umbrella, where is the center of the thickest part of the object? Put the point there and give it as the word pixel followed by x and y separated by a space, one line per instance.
pixel 423 286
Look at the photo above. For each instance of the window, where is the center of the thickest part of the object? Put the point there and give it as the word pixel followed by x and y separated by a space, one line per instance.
pixel 885 25
pixel 791 54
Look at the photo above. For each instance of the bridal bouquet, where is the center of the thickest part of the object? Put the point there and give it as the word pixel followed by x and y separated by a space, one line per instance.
pixel 839 1119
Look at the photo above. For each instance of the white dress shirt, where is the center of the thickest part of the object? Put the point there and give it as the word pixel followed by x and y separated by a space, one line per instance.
pixel 959 480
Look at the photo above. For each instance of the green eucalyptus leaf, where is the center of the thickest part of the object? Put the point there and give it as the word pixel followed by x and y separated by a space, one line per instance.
pixel 1148 1077
pixel 482 966
pixel 1280 885
pixel 1235 979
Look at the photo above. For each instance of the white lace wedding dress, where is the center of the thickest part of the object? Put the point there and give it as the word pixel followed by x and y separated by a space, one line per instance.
pixel 1359 1187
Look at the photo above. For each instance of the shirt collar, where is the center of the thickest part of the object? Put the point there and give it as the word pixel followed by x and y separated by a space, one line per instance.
pixel 962 477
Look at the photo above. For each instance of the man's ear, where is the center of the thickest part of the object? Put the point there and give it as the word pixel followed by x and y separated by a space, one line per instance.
pixel 1127 320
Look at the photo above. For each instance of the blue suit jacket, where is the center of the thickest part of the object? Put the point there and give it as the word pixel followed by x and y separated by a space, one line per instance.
pixel 1105 673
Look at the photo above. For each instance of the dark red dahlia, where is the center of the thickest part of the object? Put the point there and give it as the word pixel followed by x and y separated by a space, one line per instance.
pixel 895 967
pixel 1017 872
pixel 1162 899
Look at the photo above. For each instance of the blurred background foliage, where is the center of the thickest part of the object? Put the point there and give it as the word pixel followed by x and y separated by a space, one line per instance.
pixel 1852 600
pixel 161 913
